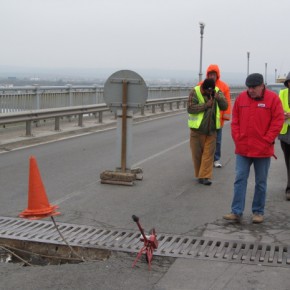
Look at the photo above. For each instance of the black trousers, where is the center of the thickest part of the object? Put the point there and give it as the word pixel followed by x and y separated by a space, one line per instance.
pixel 286 150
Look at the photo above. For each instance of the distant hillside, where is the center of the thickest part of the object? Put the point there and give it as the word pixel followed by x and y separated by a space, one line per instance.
pixel 101 74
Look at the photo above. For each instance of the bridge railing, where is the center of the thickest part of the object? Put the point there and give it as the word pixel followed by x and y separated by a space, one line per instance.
pixel 31 116
pixel 17 99
pixel 32 104
pixel 40 97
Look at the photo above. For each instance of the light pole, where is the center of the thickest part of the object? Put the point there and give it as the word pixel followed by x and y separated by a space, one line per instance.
pixel 248 62
pixel 266 73
pixel 275 75
pixel 201 25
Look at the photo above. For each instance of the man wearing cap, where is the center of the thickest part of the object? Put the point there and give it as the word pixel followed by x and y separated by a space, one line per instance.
pixel 204 104
pixel 284 135
pixel 256 122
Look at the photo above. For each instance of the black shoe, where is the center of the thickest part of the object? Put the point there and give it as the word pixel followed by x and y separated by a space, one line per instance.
pixel 200 180
pixel 206 181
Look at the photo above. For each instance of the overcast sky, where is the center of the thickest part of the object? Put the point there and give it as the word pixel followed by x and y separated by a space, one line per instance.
pixel 146 34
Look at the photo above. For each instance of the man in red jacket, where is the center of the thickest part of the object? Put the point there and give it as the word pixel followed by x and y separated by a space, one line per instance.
pixel 257 120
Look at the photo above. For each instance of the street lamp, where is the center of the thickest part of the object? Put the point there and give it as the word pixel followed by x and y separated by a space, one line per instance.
pixel 275 75
pixel 201 25
pixel 248 62
pixel 266 73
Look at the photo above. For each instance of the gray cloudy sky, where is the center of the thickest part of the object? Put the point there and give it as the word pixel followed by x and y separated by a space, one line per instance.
pixel 145 34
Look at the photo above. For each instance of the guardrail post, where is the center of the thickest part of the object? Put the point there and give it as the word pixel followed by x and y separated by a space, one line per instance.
pixel 37 104
pixel 37 99
pixel 96 94
pixel 57 124
pixel 99 95
pixel 28 128
pixel 70 95
pixel 143 111
pixel 80 122
pixel 100 117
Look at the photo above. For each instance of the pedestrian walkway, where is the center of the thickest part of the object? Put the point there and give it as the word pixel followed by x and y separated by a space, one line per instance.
pixel 13 136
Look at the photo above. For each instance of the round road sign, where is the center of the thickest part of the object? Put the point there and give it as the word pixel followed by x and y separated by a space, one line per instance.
pixel 136 90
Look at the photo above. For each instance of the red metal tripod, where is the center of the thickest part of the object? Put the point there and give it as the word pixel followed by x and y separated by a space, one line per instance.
pixel 150 243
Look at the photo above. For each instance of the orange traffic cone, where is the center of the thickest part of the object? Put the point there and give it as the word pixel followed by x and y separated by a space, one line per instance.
pixel 38 205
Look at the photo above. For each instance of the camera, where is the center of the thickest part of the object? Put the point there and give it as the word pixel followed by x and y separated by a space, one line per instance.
pixel 212 94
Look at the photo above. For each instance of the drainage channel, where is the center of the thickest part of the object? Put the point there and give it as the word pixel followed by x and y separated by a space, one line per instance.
pixel 178 246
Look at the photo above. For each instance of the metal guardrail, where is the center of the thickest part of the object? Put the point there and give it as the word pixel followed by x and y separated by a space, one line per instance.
pixel 57 113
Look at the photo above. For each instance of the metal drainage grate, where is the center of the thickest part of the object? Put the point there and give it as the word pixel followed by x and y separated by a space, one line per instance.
pixel 129 241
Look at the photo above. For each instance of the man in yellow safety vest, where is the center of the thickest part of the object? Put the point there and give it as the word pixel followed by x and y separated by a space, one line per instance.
pixel 204 104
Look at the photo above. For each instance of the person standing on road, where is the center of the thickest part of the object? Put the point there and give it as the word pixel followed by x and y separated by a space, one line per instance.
pixel 284 135
pixel 204 104
pixel 257 120
pixel 213 72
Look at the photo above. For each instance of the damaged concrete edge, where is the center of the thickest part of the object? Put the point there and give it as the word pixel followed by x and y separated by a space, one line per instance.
pixel 37 253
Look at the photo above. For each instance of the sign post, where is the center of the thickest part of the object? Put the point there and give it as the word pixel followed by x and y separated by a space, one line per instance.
pixel 124 127
pixel 125 92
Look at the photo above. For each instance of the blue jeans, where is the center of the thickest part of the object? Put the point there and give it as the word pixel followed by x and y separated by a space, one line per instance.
pixel 217 154
pixel 261 167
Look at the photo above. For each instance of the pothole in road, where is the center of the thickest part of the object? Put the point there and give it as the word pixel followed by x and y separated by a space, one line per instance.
pixel 41 254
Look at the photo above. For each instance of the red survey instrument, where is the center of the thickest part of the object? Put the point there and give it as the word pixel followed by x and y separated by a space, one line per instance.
pixel 150 243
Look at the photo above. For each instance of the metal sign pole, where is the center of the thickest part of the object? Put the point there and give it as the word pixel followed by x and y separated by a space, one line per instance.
pixel 124 126
pixel 125 92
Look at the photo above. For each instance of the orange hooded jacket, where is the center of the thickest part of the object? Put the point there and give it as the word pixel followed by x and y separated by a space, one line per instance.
pixel 225 115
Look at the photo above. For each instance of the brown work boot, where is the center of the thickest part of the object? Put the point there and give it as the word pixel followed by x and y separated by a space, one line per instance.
pixel 232 217
pixel 257 218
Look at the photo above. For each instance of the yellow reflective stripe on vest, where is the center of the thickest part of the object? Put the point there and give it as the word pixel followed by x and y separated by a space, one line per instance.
pixel 194 120
pixel 283 95
pixel 218 117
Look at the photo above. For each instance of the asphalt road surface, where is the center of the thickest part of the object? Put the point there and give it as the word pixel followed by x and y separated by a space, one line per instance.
pixel 168 198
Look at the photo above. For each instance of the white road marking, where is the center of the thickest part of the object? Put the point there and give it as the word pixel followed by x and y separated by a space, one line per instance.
pixel 76 193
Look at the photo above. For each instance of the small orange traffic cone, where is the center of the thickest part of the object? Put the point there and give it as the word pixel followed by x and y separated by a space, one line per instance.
pixel 38 205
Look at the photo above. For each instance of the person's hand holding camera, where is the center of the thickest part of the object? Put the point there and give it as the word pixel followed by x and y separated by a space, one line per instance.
pixel 209 103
